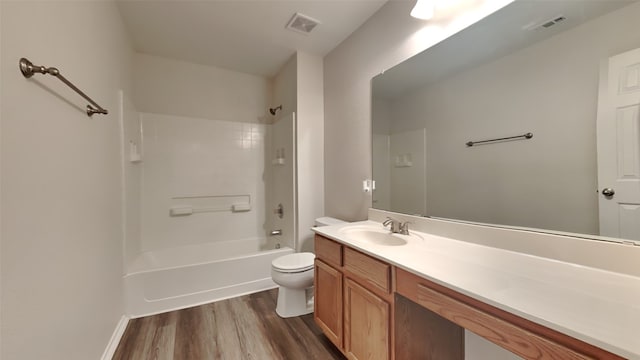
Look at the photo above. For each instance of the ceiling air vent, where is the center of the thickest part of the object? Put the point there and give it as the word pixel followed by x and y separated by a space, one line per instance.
pixel 302 23
pixel 547 23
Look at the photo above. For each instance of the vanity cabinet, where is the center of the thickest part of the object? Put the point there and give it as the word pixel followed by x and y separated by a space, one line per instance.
pixel 353 300
pixel 366 323
pixel 516 334
pixel 372 310
pixel 328 301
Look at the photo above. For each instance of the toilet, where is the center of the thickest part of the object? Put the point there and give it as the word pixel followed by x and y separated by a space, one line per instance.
pixel 294 274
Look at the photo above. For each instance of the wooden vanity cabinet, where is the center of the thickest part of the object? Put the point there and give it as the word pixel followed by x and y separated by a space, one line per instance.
pixel 366 323
pixel 353 300
pixel 516 334
pixel 372 310
pixel 328 301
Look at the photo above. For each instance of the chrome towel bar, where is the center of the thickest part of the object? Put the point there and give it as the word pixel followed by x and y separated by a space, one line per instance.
pixel 28 69
pixel 524 137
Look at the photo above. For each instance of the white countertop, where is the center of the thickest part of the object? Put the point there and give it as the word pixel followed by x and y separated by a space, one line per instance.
pixel 596 306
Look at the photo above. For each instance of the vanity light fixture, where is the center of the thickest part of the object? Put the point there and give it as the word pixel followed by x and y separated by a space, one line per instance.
pixel 424 9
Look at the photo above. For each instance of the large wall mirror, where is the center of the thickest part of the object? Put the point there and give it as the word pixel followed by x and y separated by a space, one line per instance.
pixel 568 72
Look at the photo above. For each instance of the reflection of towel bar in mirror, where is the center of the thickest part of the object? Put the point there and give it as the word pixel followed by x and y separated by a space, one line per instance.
pixel 522 137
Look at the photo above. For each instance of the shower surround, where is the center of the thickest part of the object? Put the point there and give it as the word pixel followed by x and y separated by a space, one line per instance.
pixel 206 197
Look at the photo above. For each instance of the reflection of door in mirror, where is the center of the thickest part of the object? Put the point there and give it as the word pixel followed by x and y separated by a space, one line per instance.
pixel 619 146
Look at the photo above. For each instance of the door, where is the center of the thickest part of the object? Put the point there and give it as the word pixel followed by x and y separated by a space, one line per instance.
pixel 618 129
pixel 328 301
pixel 366 324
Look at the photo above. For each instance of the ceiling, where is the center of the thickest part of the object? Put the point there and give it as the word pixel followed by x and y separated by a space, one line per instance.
pixel 242 35
pixel 513 28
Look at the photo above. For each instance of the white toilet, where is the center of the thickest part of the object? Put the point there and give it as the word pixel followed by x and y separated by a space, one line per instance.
pixel 294 274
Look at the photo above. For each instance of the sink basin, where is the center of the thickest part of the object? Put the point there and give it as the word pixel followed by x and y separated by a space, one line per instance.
pixel 377 236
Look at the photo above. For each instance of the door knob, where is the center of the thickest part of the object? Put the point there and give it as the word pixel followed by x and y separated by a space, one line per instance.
pixel 608 192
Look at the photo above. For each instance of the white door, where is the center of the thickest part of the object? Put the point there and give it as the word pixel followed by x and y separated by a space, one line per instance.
pixel 618 129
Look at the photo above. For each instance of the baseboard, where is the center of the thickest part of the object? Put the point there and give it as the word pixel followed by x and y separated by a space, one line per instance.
pixel 115 338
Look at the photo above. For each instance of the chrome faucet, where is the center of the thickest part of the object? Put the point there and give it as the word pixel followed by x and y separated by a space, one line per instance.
pixel 389 221
pixel 396 226
pixel 404 228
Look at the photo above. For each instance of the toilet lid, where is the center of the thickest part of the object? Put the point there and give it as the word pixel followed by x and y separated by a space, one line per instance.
pixel 294 262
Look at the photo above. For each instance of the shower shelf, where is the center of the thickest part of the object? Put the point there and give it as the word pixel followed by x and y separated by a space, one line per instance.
pixel 134 153
pixel 188 205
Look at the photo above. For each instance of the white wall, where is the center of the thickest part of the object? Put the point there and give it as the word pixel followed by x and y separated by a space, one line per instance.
pixel 549 89
pixel 387 38
pixel 203 164
pixel 203 135
pixel 298 87
pixel 281 180
pixel 131 146
pixel 61 184
pixel 310 144
pixel 1 232
pixel 285 88
pixel 282 185
pixel 172 87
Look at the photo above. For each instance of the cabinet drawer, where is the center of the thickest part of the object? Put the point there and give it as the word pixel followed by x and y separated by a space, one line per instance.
pixel 368 269
pixel 329 251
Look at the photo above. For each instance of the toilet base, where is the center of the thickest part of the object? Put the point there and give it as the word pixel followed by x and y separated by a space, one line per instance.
pixel 293 302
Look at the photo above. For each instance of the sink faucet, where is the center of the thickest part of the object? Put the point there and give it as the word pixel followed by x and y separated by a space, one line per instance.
pixel 396 226
pixel 404 228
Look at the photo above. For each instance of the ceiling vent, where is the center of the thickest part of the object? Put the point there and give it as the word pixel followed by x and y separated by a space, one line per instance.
pixel 547 23
pixel 302 23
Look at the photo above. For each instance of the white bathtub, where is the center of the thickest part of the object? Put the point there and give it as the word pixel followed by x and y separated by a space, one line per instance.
pixel 170 279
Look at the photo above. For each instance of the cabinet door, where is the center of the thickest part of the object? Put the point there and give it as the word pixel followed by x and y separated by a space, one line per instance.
pixel 366 324
pixel 328 301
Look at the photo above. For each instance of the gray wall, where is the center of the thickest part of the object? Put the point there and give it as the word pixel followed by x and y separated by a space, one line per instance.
pixel 62 227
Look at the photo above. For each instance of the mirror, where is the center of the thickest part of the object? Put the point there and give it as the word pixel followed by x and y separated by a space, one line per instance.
pixel 539 67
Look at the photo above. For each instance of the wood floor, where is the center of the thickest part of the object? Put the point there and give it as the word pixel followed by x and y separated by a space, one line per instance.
pixel 246 327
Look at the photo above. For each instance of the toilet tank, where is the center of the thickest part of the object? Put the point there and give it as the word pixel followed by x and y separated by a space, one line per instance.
pixel 328 221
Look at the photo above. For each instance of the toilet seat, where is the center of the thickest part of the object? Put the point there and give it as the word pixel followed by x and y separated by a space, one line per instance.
pixel 294 263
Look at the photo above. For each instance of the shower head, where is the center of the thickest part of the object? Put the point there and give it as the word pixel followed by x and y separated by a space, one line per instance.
pixel 274 110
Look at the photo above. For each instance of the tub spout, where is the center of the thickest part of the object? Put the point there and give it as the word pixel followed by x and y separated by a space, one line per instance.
pixel 275 232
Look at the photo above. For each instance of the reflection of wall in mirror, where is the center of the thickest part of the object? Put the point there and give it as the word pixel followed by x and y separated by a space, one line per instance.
pixel 381 171
pixel 550 89
pixel 398 164
pixel 408 183
pixel 381 166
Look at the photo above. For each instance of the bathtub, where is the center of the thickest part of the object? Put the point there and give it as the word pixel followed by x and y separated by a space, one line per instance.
pixel 170 279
